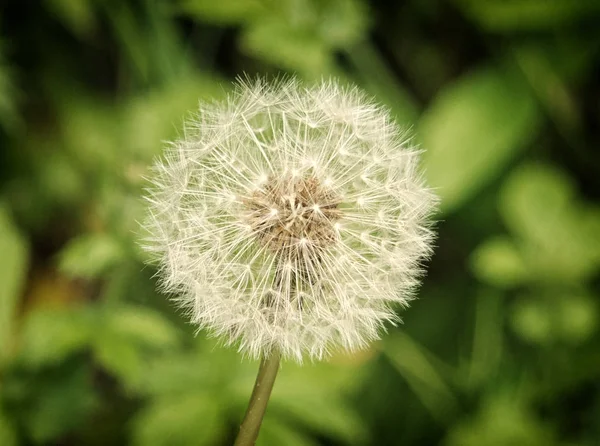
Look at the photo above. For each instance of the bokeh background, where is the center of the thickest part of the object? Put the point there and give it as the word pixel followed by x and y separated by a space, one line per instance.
pixel 503 345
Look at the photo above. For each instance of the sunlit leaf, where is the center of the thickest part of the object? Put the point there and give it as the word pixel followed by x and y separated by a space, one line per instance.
pixel 472 130
pixel 225 12
pixel 76 14
pixel 13 270
pixel 498 262
pixel 175 374
pixel 560 234
pixel 569 317
pixel 91 130
pixel 504 420
pixel 276 433
pixel 151 119
pixel 90 255
pixel 8 436
pixel 340 23
pixel 122 359
pixel 315 396
pixel 578 317
pixel 144 326
pixel 192 419
pixel 318 402
pixel 532 320
pixel 127 336
pixel 294 49
pixel 328 415
pixel 51 334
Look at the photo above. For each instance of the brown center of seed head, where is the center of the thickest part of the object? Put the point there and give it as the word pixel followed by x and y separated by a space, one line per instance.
pixel 294 216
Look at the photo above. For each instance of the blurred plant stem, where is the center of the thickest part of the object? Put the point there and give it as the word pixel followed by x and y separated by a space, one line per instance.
pixel 269 366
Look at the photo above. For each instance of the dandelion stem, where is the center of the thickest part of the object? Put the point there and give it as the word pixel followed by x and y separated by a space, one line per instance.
pixel 257 406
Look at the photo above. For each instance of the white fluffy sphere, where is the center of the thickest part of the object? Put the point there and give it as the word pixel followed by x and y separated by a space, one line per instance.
pixel 291 217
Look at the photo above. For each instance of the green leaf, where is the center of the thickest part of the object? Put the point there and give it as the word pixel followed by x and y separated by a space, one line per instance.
pixel 326 414
pixel 276 433
pixel 13 270
pixel 567 316
pixel 315 396
pixel 177 373
pixel 290 48
pixel 488 339
pixel 531 196
pixel 91 129
pixel 578 317
pixel 51 334
pixel 61 405
pixel 8 437
pixel 75 14
pixel 421 374
pixel 498 262
pixel 532 320
pixel 560 234
pixel 230 12
pixel 520 15
pixel 127 336
pixel 157 116
pixel 144 326
pixel 90 255
pixel 193 419
pixel 340 23
pixel 58 178
pixel 472 130
pixel 121 358
pixel 503 420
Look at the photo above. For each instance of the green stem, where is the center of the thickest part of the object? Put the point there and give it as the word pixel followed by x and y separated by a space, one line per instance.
pixel 258 401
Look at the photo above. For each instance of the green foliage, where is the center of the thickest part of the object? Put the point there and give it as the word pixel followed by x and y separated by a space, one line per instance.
pixel 90 255
pixel 297 35
pixel 119 336
pixel 51 335
pixel 503 421
pixel 319 406
pixel 194 418
pixel 473 129
pixel 56 406
pixel 7 435
pixel 561 235
pixel 13 267
pixel 8 110
pixel 228 13
pixel 215 385
pixel 501 348
pixel 499 262
pixel 76 14
pixel 567 317
pixel 516 15
pixel 273 432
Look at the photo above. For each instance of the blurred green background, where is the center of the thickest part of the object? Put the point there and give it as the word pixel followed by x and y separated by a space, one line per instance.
pixel 503 345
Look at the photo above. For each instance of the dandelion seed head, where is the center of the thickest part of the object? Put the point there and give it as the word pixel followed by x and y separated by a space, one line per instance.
pixel 291 218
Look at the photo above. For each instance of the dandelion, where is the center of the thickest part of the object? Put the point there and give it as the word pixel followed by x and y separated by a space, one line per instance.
pixel 291 220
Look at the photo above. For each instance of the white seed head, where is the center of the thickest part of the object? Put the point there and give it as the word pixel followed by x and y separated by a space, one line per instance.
pixel 291 218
